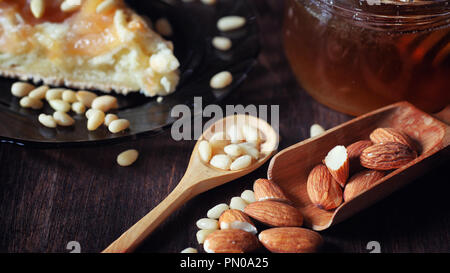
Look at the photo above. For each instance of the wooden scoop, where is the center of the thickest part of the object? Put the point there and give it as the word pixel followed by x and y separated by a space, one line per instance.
pixel 290 167
pixel 199 177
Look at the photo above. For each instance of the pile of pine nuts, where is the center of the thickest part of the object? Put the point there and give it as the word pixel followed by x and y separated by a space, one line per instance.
pixel 233 150
pixel 63 101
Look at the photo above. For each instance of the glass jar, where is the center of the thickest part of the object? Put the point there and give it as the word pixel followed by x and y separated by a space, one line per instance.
pixel 356 56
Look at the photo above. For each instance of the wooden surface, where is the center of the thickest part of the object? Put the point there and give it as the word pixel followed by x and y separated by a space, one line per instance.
pixel 51 197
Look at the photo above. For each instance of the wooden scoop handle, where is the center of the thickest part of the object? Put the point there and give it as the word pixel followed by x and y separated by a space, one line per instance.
pixel 135 235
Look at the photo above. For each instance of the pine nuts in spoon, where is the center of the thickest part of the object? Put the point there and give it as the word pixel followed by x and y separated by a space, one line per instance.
pixel 63 119
pixel 118 125
pixel 21 89
pixel 47 120
pixel 104 103
pixel 241 162
pixel 205 150
pixel 95 119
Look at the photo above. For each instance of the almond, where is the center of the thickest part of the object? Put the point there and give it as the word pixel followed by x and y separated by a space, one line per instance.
pixel 290 240
pixel 236 219
pixel 361 182
pixel 338 164
pixel 275 213
pixel 230 241
pixel 322 188
pixel 387 156
pixel 267 190
pixel 384 135
pixel 354 151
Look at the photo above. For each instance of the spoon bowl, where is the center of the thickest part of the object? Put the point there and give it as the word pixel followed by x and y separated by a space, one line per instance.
pixel 199 177
pixel 290 167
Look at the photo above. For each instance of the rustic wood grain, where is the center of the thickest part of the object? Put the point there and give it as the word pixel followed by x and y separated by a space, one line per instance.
pixel 51 197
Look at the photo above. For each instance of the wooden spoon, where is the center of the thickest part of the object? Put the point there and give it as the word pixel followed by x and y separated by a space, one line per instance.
pixel 199 177
pixel 290 167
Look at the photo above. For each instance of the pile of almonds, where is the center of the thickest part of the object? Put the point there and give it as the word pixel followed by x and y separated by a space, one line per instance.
pixel 62 101
pixel 230 229
pixel 367 161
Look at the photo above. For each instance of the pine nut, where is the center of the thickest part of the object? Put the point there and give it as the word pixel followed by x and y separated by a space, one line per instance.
pixel 95 119
pixel 228 23
pixel 63 119
pixel 163 27
pixel 39 93
pixel 238 203
pixel 21 89
pixel 206 223
pixel 47 121
pixel 189 250
pixel 69 96
pixel 250 149
pixel 104 103
pixel 222 43
pixel 127 157
pixel 105 6
pixel 78 107
pixel 221 161
pixel 217 210
pixel 235 133
pixel 110 118
pixel 37 8
pixel 221 80
pixel 251 134
pixel 70 5
pixel 118 125
pixel 60 105
pixel 54 94
pixel 316 130
pixel 241 163
pixel 86 97
pixel 233 150
pixel 248 196
pixel 202 234
pixel 205 150
pixel 90 112
pixel 27 102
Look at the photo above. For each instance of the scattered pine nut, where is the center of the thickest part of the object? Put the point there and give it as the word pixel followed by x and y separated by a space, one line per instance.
pixel 222 43
pixel 86 97
pixel 21 89
pixel 202 234
pixel 95 119
pixel 104 103
pixel 229 23
pixel 39 93
pixel 110 118
pixel 316 130
pixel 54 94
pixel 221 80
pixel 207 223
pixel 47 121
pixel 217 210
pixel 238 203
pixel 118 125
pixel 37 8
pixel 69 96
pixel 28 102
pixel 189 250
pixel 60 105
pixel 63 119
pixel 127 157
pixel 248 196
pixel 78 107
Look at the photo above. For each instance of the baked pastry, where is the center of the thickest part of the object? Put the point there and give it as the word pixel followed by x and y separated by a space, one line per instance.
pixel 85 44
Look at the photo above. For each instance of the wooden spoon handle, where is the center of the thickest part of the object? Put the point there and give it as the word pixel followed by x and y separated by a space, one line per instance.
pixel 444 115
pixel 135 235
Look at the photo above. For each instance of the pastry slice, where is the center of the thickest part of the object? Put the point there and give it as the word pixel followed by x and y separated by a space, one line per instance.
pixel 85 44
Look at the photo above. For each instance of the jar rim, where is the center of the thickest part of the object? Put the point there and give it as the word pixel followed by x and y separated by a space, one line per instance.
pixel 391 14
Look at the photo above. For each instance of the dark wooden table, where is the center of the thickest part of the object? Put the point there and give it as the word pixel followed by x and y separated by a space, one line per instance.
pixel 51 197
